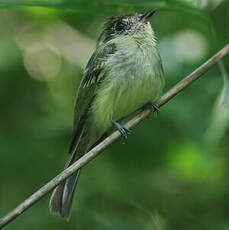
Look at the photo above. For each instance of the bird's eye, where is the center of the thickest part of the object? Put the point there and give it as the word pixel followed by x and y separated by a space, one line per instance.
pixel 120 26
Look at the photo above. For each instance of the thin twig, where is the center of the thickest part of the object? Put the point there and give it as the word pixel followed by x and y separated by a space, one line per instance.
pixel 105 143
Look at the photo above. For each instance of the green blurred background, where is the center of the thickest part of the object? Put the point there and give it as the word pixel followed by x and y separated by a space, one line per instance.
pixel 172 172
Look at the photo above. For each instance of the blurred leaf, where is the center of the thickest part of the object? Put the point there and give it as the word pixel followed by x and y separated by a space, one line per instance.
pixel 46 13
pixel 44 3
pixel 109 5
pixel 192 163
pixel 9 55
pixel 220 117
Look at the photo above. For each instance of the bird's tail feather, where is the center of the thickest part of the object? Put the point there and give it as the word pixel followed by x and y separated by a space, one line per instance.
pixel 62 196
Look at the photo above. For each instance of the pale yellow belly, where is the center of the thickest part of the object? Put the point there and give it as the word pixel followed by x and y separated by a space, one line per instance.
pixel 115 101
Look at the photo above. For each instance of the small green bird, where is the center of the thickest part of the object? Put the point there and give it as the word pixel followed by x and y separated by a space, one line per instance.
pixel 124 73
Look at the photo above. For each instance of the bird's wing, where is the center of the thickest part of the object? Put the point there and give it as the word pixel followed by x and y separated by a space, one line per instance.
pixel 94 74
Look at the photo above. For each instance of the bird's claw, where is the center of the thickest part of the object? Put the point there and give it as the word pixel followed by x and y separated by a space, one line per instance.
pixel 123 130
pixel 154 107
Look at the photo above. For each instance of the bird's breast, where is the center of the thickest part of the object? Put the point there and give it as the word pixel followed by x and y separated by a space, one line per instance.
pixel 131 81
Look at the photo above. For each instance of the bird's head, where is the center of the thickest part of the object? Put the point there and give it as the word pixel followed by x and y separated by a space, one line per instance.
pixel 136 25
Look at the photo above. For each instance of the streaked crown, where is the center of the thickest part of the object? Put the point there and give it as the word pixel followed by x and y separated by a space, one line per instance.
pixel 128 24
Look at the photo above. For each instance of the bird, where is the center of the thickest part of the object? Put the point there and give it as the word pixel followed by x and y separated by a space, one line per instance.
pixel 123 74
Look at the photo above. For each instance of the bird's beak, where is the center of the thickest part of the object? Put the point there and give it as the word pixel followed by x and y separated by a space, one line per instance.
pixel 147 15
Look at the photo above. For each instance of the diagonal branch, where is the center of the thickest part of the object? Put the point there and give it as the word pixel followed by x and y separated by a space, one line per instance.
pixel 110 139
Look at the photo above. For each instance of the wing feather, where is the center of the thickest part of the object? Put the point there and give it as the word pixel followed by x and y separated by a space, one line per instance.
pixel 94 74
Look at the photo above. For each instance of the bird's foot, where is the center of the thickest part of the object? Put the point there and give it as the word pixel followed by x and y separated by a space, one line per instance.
pixel 123 130
pixel 153 107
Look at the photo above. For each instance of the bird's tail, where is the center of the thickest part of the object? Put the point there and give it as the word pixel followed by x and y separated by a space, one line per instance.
pixel 62 196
